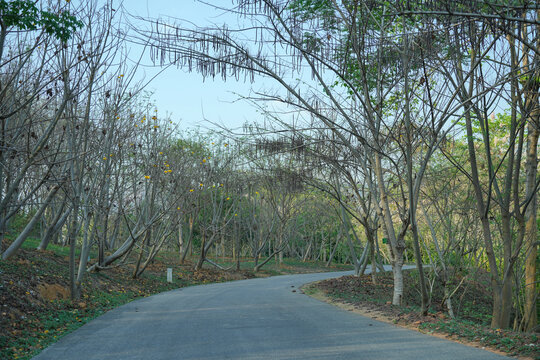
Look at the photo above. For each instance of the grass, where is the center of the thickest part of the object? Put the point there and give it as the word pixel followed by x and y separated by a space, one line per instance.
pixel 33 242
pixel 289 266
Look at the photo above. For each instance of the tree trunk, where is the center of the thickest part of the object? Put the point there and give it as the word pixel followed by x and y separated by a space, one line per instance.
pixel 202 256
pixel 306 254
pixel 419 266
pixel 189 242
pixel 180 239
pixel 532 104
pixel 373 262
pixel 237 241
pixel 121 251
pixel 396 244
pixel 30 226
pixel 72 240
pixel 103 239
pixel 260 265
pixel 83 260
pixel 397 270
pixel 531 228
pixel 55 227
pixel 152 253
pixel 331 257
pixel 138 263
pixel 364 259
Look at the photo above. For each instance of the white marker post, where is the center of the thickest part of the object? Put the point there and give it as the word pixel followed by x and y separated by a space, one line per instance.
pixel 169 275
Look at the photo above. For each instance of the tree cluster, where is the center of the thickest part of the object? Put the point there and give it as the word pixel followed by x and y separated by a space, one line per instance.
pixel 388 97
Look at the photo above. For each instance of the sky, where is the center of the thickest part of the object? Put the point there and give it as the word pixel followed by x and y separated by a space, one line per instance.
pixel 190 101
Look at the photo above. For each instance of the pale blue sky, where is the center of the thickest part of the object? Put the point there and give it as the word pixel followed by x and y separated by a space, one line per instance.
pixel 183 94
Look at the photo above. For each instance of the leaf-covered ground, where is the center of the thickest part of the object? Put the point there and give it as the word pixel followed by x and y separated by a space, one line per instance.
pixel 472 305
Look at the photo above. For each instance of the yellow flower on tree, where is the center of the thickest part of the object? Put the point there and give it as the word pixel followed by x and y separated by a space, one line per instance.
pixel 147 176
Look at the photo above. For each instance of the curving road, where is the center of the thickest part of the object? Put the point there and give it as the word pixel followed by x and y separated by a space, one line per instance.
pixel 249 319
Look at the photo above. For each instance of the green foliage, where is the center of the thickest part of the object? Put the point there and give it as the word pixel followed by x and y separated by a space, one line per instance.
pixel 315 9
pixel 197 147
pixel 18 222
pixel 498 126
pixel 24 15
pixel 60 26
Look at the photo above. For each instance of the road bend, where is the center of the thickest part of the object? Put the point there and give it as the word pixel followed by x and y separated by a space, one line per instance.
pixel 264 318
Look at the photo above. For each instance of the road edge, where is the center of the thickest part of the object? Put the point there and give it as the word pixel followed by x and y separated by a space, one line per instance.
pixel 318 294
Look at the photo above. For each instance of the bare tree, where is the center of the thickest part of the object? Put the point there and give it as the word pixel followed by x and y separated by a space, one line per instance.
pixel 34 93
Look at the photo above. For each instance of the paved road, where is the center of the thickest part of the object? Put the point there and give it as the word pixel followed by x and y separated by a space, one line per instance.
pixel 248 319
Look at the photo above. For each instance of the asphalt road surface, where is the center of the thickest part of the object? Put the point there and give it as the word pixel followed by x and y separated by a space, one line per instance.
pixel 250 319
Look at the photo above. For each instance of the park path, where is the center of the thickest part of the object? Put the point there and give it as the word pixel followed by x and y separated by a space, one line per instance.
pixel 266 318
